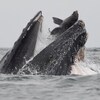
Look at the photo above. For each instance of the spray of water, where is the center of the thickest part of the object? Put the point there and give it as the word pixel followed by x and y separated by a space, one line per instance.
pixel 86 67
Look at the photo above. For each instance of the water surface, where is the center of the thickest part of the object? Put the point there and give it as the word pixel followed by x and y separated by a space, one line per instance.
pixel 48 87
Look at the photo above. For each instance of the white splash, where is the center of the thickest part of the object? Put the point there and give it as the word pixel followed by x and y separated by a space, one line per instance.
pixel 84 68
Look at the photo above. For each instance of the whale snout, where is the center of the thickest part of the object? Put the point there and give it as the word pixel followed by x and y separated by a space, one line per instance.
pixel 75 13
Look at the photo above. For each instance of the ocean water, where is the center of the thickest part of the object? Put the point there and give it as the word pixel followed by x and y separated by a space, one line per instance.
pixel 49 87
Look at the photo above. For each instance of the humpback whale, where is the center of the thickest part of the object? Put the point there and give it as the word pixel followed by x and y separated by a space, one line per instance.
pixel 57 58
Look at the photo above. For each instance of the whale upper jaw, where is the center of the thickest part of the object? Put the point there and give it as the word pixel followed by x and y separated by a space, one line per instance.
pixel 23 48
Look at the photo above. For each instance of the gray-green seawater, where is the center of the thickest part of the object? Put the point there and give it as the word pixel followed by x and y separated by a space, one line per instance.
pixel 45 87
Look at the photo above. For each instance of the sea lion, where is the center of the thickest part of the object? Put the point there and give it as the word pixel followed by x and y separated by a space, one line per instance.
pixel 64 24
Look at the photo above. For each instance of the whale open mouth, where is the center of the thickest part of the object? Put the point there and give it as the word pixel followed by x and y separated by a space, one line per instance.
pixel 56 58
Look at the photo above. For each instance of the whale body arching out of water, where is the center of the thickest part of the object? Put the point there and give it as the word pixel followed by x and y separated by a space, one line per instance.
pixel 57 58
